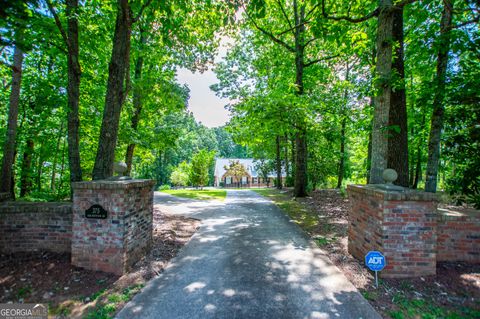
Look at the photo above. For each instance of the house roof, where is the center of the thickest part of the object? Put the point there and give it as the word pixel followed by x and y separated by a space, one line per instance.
pixel 249 164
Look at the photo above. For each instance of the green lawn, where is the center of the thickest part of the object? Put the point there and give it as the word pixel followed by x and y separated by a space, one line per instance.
pixel 206 194
pixel 296 210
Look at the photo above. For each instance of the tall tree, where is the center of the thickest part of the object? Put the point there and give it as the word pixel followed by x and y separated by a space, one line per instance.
pixel 383 81
pixel 73 89
pixel 278 161
pixel 117 90
pixel 343 127
pixel 137 101
pixel 296 27
pixel 397 118
pixel 438 100
pixel 6 177
pixel 201 163
pixel 382 101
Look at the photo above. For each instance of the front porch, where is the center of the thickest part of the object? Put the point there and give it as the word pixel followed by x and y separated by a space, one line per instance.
pixel 246 182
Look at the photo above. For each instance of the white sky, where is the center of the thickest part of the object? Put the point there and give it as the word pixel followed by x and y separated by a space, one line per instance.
pixel 203 103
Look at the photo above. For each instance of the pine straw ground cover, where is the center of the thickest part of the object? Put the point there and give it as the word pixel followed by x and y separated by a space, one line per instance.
pixel 453 293
pixel 78 293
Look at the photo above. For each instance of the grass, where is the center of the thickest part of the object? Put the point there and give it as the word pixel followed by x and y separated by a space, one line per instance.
pixel 24 292
pixel 323 241
pixel 105 303
pixel 63 310
pixel 109 305
pixel 425 309
pixel 206 194
pixel 95 296
pixel 297 211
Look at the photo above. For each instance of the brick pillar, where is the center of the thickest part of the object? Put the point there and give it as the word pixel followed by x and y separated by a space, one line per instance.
pixel 115 243
pixel 400 224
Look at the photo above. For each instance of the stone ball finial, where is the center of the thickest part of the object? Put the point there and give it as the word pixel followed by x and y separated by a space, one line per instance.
pixel 389 176
pixel 119 168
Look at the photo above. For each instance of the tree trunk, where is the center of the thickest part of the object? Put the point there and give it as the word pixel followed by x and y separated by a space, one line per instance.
pixel 137 104
pixel 438 100
pixel 411 174
pixel 412 157
pixel 6 185
pixel 418 170
pixel 117 89
pixel 73 92
pixel 383 97
pixel 341 164
pixel 398 136
pixel 301 180
pixel 278 163
pixel 369 157
pixel 39 171
pixel 372 106
pixel 26 174
pixel 287 166
pixel 294 156
pixel 62 168
pixel 301 164
pixel 54 165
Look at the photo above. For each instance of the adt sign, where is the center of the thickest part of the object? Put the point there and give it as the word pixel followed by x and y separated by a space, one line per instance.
pixel 375 260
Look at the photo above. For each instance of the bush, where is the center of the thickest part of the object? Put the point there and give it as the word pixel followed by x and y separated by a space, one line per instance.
pixel 465 189
pixel 164 187
pixel 180 175
pixel 45 196
pixel 290 181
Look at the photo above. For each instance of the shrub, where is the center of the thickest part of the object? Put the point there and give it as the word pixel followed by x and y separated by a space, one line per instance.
pixel 163 187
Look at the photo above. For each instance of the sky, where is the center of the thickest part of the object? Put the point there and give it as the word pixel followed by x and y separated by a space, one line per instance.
pixel 203 103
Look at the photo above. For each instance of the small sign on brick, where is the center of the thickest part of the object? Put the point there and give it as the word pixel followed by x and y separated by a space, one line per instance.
pixel 96 211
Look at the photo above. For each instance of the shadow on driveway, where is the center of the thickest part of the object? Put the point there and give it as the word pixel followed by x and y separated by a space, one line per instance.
pixel 247 260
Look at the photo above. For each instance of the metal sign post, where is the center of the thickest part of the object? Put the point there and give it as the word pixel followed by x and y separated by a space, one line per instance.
pixel 375 261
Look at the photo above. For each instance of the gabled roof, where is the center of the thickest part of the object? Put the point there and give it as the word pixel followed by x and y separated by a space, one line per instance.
pixel 249 164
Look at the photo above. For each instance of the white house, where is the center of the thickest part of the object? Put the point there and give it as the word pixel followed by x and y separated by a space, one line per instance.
pixel 252 179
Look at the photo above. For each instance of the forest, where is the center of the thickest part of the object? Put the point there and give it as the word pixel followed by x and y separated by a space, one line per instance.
pixel 332 91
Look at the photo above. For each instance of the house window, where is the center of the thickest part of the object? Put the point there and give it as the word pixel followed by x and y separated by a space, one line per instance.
pixel 254 180
pixel 228 180
pixel 244 180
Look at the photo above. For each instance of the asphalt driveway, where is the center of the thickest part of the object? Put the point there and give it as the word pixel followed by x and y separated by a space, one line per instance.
pixel 247 260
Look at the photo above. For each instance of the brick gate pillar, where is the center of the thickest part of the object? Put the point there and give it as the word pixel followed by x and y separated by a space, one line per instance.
pixel 112 223
pixel 399 223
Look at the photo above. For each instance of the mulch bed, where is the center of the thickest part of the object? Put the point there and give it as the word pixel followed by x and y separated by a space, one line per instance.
pixel 456 285
pixel 45 277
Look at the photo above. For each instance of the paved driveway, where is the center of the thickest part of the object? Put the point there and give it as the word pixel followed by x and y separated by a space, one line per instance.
pixel 247 260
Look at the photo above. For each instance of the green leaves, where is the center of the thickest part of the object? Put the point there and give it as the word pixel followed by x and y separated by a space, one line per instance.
pixel 258 75
pixel 181 174
pixel 257 8
pixel 200 165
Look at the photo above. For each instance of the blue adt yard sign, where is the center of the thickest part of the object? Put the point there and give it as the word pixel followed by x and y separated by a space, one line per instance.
pixel 376 262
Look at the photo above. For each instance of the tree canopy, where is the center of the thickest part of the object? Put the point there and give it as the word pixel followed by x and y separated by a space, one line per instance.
pixel 333 92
